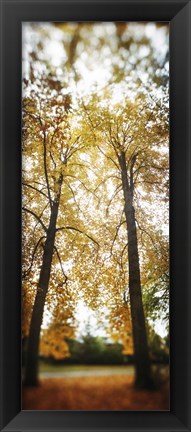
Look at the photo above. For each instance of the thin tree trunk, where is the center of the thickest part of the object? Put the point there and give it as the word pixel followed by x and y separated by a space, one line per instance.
pixel 31 373
pixel 142 361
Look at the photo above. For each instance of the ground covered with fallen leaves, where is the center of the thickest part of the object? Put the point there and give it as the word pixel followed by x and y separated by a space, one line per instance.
pixel 93 393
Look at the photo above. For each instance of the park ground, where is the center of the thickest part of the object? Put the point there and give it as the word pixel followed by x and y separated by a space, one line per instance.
pixel 93 388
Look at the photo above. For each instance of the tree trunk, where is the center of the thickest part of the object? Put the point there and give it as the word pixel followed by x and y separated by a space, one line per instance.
pixel 31 373
pixel 142 361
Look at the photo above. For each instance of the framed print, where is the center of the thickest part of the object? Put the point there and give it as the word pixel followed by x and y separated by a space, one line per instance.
pixel 86 148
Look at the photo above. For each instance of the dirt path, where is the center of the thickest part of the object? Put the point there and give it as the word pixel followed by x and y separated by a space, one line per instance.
pixel 86 373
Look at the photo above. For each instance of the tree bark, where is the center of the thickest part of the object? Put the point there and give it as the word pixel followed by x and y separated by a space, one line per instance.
pixel 31 372
pixel 141 352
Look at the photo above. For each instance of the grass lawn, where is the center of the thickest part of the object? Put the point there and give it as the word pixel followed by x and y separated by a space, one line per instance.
pixel 45 367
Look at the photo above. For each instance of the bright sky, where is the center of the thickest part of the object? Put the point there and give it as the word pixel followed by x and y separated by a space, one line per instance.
pixel 92 78
pixel 85 315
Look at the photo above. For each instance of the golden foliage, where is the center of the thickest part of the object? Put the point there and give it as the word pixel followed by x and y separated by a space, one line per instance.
pixel 121 328
pixel 52 342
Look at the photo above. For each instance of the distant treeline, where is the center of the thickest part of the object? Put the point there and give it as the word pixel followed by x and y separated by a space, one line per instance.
pixel 97 350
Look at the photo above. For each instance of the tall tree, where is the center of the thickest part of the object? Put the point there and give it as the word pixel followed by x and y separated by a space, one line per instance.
pixel 48 146
pixel 51 149
pixel 130 139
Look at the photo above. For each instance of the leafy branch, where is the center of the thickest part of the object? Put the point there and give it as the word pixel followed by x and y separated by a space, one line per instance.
pixel 80 231
pixel 26 272
pixel 36 217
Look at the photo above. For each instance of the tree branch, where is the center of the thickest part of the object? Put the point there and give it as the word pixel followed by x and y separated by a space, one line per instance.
pixel 59 259
pixel 116 234
pixel 25 273
pixel 45 167
pixel 108 157
pixel 36 217
pixel 146 232
pixel 82 183
pixel 117 190
pixel 78 230
pixel 105 180
pixel 37 190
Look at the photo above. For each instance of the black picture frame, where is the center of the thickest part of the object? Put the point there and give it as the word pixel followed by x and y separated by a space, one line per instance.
pixel 178 14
